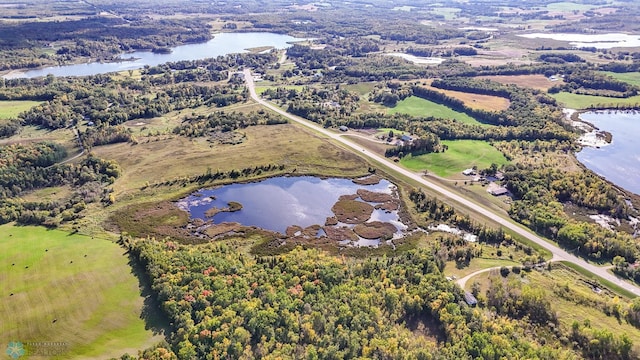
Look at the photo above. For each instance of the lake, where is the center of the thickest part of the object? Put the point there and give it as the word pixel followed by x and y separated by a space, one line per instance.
pixel 280 202
pixel 618 162
pixel 599 41
pixel 418 59
pixel 221 44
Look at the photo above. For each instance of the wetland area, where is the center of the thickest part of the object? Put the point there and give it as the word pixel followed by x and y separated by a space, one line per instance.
pixel 351 212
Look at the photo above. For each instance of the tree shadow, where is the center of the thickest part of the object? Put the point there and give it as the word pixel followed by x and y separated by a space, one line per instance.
pixel 154 319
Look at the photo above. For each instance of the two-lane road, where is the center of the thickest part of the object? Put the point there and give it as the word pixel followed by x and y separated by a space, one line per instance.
pixel 558 254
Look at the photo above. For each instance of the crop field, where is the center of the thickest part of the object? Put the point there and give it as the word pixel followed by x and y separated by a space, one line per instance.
pixel 163 158
pixel 577 101
pixel 462 154
pixel 478 101
pixel 416 106
pixel 71 289
pixel 11 109
pixel 539 82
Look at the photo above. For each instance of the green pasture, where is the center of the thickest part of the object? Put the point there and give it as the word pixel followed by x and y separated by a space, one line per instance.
pixel 632 78
pixel 462 154
pixel 69 289
pixel 11 109
pixel 416 106
pixel 576 101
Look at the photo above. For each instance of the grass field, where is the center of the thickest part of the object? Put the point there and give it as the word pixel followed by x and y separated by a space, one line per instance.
pixel 632 78
pixel 539 82
pixel 162 158
pixel 576 101
pixel 72 289
pixel 11 109
pixel 416 106
pixel 462 154
pixel 565 6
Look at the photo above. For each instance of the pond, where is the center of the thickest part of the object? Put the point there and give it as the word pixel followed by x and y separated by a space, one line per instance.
pixel 221 44
pixel 599 41
pixel 280 203
pixel 618 162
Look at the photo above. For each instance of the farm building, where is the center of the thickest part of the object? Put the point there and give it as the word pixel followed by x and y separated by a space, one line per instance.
pixel 497 190
pixel 468 172
pixel 343 128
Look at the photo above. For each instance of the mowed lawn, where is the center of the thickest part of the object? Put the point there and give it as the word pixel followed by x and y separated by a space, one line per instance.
pixel 576 101
pixel 73 289
pixel 462 154
pixel 419 107
pixel 11 109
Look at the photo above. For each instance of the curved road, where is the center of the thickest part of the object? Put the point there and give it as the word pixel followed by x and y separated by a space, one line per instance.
pixel 558 254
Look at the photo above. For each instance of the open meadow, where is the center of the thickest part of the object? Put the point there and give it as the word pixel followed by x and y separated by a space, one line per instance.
pixel 416 106
pixel 577 101
pixel 539 82
pixel 11 109
pixel 70 289
pixel 460 155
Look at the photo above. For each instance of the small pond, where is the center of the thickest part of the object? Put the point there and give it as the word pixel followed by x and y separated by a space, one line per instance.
pixel 280 203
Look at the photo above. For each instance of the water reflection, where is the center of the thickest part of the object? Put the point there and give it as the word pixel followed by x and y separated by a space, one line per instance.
pixel 277 203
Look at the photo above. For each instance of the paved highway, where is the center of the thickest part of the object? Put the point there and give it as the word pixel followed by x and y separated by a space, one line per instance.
pixel 558 253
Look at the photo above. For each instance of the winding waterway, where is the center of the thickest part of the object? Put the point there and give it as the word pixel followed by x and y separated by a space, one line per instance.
pixel 221 44
pixel 618 162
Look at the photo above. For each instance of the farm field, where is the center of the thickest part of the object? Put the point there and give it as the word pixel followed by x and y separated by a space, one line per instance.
pixel 11 109
pixel 539 82
pixel 416 106
pixel 72 289
pixel 477 101
pixel 462 154
pixel 632 78
pixel 576 101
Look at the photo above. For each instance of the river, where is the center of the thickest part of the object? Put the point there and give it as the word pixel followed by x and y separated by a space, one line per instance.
pixel 618 162
pixel 221 44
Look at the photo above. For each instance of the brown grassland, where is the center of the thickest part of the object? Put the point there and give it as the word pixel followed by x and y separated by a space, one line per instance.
pixel 537 81
pixel 477 101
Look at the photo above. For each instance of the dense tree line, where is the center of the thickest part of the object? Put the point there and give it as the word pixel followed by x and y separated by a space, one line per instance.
pixel 592 83
pixel 422 145
pixel 224 121
pixel 560 58
pixel 117 104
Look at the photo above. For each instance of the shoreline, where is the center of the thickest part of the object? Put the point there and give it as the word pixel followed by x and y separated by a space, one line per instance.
pixel 592 136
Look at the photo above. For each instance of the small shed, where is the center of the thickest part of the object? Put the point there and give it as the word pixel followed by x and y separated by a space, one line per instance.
pixel 406 138
pixel 470 299
pixel 468 172
pixel 343 128
pixel 498 191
